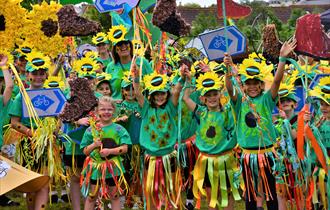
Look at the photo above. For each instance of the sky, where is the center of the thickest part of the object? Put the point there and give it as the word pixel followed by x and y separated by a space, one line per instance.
pixel 200 2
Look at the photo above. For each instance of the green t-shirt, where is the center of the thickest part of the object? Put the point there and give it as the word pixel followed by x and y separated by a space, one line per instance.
pixel 133 124
pixel 215 131
pixel 117 72
pixel 158 130
pixel 188 122
pixel 115 133
pixel 105 62
pixel 325 132
pixel 76 134
pixel 250 133
pixel 16 110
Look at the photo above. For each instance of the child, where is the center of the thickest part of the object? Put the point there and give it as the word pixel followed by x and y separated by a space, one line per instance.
pixel 255 131
pixel 130 118
pixel 36 68
pixel 103 143
pixel 103 85
pixel 214 139
pixel 4 99
pixel 322 133
pixel 161 175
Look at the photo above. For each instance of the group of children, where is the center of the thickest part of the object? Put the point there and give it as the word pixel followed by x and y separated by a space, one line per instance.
pixel 164 139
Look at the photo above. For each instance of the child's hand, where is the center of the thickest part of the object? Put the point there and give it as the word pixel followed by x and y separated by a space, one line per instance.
pixel 97 143
pixel 83 121
pixel 104 152
pixel 288 47
pixel 227 60
pixel 307 117
pixel 3 60
pixel 123 118
pixel 282 114
pixel 204 67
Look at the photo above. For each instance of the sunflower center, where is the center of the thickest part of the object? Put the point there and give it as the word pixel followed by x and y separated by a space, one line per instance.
pixel 326 89
pixel 137 46
pixel 49 27
pixel 283 92
pixel 252 71
pixel 250 120
pixel 26 50
pixel 117 34
pixel 53 84
pixel 2 23
pixel 210 133
pixel 38 62
pixel 87 67
pixel 156 81
pixel 208 83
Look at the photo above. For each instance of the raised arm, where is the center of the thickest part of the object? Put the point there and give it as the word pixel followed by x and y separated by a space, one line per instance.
pixel 136 85
pixel 286 49
pixel 9 85
pixel 229 85
pixel 186 97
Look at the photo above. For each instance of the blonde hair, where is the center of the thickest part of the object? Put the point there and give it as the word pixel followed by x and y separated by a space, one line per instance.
pixel 107 99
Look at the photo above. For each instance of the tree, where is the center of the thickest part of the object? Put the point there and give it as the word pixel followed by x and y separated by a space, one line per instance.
pixel 202 22
pixel 192 5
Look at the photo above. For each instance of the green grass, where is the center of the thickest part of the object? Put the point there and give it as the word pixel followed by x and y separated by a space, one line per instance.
pixel 18 197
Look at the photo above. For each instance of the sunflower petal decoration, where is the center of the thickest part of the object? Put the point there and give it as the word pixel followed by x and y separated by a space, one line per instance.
pixel 217 68
pixel 38 60
pixel 156 82
pixel 85 66
pixel 91 54
pixel 12 21
pixel 9 56
pixel 138 48
pixel 25 48
pixel 117 33
pixel 257 57
pixel 127 77
pixel 54 82
pixel 42 29
pixel 286 90
pixel 209 81
pixel 322 90
pixel 103 76
pixel 252 69
pixel 100 38
pixel 195 67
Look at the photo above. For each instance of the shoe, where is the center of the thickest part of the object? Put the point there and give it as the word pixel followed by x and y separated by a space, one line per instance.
pixel 9 203
pixel 190 206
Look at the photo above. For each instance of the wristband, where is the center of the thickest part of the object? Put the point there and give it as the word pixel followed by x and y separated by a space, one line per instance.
pixel 282 59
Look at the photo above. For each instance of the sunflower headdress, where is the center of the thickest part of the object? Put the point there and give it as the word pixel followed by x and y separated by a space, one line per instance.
pixel 257 57
pixel 322 90
pixel 217 68
pixel 42 31
pixel 86 67
pixel 209 81
pixel 138 47
pixel 195 67
pixel 127 79
pixel 54 82
pixel 253 69
pixel 91 54
pixel 13 20
pixel 36 61
pixel 117 33
pixel 24 49
pixel 156 82
pixel 100 38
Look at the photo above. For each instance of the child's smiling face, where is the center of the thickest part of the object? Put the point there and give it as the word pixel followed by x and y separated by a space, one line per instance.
pixel 160 98
pixel 212 99
pixel 288 104
pixel 325 109
pixel 253 87
pixel 128 93
pixel 37 78
pixel 105 112
pixel 104 89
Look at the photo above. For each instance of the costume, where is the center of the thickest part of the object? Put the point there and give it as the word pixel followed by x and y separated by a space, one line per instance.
pixel 97 170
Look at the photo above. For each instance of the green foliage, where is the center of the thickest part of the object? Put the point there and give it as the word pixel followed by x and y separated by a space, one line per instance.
pixel 192 5
pixel 202 22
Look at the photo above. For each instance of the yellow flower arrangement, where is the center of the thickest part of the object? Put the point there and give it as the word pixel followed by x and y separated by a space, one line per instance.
pixel 155 82
pixel 117 33
pixel 50 43
pixel 38 60
pixel 100 38
pixel 54 82
pixel 322 90
pixel 14 18
pixel 85 66
pixel 209 81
